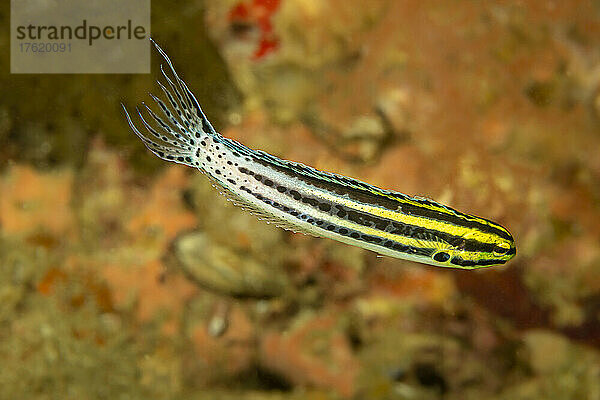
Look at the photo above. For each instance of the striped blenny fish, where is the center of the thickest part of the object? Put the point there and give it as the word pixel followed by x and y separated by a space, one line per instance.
pixel 303 199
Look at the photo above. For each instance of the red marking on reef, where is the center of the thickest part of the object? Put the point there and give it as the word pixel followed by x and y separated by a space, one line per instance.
pixel 240 11
pixel 265 47
pixel 258 13
pixel 269 5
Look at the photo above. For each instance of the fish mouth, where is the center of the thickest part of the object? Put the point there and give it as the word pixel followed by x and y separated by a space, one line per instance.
pixel 512 251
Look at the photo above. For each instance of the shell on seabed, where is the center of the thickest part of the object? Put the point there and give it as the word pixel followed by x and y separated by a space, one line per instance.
pixel 223 270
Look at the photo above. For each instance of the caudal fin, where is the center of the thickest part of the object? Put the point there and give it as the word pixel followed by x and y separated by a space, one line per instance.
pixel 174 136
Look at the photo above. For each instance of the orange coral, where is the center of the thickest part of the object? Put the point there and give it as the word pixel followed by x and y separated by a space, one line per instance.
pixel 422 285
pixel 233 351
pixel 31 200
pixel 164 212
pixel 316 353
pixel 152 294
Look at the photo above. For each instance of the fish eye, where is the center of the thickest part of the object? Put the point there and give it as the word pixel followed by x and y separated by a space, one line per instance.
pixel 501 248
pixel 441 256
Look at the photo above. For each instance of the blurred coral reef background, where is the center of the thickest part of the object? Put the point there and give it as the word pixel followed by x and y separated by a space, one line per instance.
pixel 124 277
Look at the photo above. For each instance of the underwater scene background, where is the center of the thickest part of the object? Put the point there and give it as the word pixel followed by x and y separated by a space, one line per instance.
pixel 126 277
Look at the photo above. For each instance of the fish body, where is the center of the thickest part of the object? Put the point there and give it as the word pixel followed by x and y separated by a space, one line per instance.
pixel 303 199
